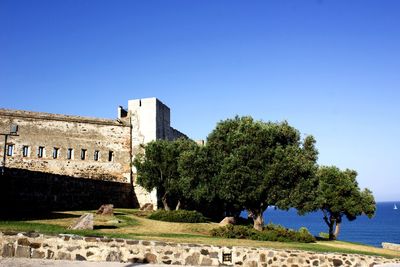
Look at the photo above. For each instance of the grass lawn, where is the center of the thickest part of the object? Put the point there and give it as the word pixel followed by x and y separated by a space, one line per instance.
pixel 133 224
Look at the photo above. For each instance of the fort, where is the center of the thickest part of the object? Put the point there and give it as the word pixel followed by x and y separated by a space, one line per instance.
pixel 60 159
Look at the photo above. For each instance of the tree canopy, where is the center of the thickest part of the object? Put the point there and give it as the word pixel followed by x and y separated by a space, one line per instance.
pixel 248 164
pixel 158 168
pixel 261 164
pixel 337 194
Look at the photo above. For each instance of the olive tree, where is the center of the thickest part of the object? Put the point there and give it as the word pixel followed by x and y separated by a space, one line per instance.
pixel 157 168
pixel 337 194
pixel 261 164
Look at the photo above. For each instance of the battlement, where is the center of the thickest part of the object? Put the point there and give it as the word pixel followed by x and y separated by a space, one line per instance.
pixel 23 114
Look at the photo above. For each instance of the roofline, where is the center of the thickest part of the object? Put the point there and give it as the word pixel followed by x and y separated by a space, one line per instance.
pixel 58 117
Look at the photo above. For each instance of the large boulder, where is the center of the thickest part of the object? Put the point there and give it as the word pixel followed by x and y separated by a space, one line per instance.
pixel 85 222
pixel 227 220
pixel 147 206
pixel 106 209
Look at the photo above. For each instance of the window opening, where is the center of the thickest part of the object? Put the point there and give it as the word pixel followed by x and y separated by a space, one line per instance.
pixel 10 150
pixel 41 152
pixel 55 152
pixel 25 151
pixel 70 153
pixel 96 155
pixel 83 154
pixel 110 156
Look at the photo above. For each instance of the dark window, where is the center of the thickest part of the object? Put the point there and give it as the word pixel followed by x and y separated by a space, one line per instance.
pixel 41 152
pixel 25 151
pixel 83 154
pixel 96 155
pixel 55 152
pixel 110 156
pixel 10 150
pixel 70 153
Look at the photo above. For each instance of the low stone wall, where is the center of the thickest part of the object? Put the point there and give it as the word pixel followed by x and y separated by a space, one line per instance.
pixel 391 246
pixel 72 247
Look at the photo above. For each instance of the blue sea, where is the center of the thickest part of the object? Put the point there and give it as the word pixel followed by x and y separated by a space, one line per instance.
pixel 384 227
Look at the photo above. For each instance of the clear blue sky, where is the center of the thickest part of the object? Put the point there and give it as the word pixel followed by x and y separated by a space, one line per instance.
pixel 331 68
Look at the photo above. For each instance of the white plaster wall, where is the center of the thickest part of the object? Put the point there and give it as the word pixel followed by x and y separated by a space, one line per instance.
pixel 145 112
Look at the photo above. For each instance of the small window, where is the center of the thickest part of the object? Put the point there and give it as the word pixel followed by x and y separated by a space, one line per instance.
pixel 96 155
pixel 10 150
pixel 55 152
pixel 25 151
pixel 41 152
pixel 83 154
pixel 110 156
pixel 70 153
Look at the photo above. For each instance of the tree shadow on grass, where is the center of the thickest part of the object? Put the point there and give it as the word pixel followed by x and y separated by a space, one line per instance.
pixel 98 227
pixel 35 215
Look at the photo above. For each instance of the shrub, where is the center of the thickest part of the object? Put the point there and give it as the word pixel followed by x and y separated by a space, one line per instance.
pixel 324 235
pixel 271 232
pixel 185 216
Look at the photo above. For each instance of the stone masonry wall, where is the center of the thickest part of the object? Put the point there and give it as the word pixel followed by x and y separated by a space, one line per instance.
pixel 391 246
pixel 36 129
pixel 71 247
pixel 24 191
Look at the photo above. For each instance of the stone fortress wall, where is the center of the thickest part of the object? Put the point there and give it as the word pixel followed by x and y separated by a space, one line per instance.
pixel 98 149
pixel 56 134
pixel 71 247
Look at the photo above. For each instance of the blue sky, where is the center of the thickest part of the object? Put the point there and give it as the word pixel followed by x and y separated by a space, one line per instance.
pixel 331 68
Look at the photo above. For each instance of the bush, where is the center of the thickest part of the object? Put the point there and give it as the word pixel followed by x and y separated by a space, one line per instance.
pixel 184 216
pixel 324 235
pixel 271 232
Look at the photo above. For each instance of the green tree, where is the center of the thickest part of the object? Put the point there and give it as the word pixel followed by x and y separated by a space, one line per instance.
pixel 262 164
pixel 337 195
pixel 198 171
pixel 157 168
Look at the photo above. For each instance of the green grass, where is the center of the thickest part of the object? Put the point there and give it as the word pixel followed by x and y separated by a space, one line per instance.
pixel 134 225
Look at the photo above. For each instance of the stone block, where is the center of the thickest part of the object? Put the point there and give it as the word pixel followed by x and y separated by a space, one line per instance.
pixel 23 242
pixel 337 262
pixel 227 221
pixel 79 257
pixel 85 222
pixel 36 254
pixel 35 245
pixel 64 256
pixel 106 210
pixel 8 251
pixel 204 252
pixel 147 206
pixel 206 261
pixel 113 256
pixel 150 258
pixel 50 254
pixel 193 259
pixel 31 234
pixel 23 252
pixel 70 249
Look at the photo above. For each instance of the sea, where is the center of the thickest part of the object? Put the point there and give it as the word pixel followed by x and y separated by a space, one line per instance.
pixel 383 227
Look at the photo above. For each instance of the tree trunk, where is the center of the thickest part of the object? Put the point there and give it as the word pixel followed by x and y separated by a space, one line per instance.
pixel 331 234
pixel 164 201
pixel 330 222
pixel 258 219
pixel 178 205
pixel 337 228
